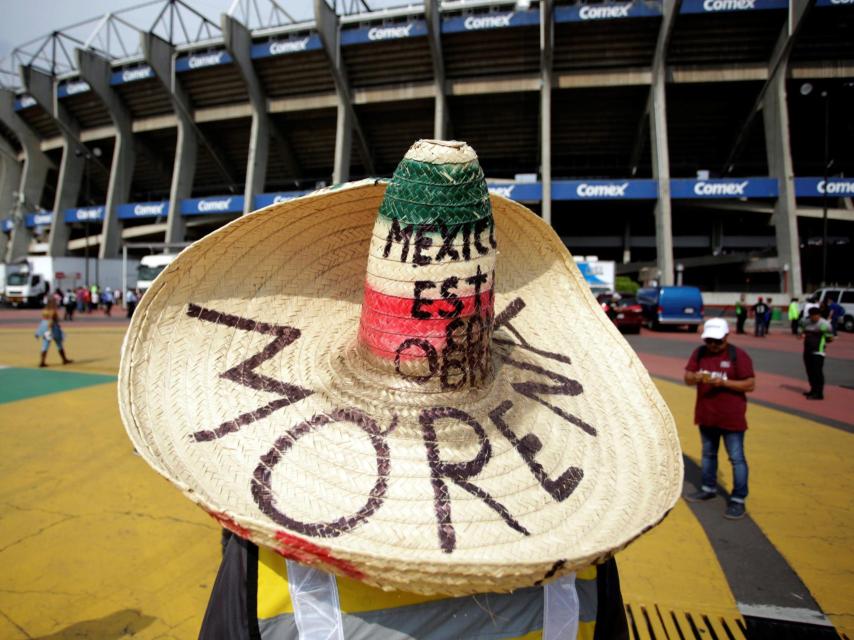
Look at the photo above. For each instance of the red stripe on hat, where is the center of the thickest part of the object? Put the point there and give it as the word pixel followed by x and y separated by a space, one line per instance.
pixel 402 307
pixel 304 551
pixel 434 327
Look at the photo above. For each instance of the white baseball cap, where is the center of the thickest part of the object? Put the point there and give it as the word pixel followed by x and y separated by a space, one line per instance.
pixel 716 329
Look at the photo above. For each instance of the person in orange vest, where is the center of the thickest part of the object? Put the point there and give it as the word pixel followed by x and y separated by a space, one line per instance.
pixel 410 434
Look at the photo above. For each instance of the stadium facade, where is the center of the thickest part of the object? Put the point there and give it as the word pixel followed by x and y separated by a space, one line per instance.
pixel 701 141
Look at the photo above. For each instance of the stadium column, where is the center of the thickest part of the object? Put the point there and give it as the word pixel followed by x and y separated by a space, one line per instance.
pixel 159 55
pixel 441 128
pixel 348 122
pixel 546 48
pixel 97 71
pixel 31 185
pixel 42 87
pixel 658 143
pixel 238 43
pixel 10 179
pixel 775 117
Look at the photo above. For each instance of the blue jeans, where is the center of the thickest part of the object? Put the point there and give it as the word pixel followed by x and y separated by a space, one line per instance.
pixel 734 443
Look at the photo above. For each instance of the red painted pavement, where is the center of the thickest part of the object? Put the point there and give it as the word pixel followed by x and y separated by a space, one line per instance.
pixel 774 389
pixel 781 339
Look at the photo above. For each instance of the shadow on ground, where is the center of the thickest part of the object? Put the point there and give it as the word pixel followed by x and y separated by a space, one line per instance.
pixel 116 625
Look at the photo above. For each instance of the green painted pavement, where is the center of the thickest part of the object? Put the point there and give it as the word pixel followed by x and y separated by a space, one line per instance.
pixel 19 383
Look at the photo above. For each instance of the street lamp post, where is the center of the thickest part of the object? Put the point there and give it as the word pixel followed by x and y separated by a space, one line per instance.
pixel 87 155
pixel 826 97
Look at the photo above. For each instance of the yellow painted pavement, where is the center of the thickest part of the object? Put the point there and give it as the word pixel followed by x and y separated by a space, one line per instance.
pixel 94 349
pixel 91 540
pixel 94 544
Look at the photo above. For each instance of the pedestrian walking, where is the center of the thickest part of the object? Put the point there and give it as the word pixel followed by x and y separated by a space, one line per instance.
pixel 81 299
pixel 740 314
pixel 837 315
pixel 816 333
pixel 400 454
pixel 769 314
pixel 794 316
pixel 94 298
pixel 759 311
pixel 107 300
pixel 131 298
pixel 723 374
pixel 49 331
pixel 69 304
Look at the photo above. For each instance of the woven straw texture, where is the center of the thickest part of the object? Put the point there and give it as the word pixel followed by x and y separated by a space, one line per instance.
pixel 244 382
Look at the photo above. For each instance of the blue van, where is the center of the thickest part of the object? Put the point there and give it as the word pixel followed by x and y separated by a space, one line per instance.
pixel 671 306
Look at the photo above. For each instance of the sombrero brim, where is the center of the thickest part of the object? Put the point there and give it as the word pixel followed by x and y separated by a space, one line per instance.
pixel 240 382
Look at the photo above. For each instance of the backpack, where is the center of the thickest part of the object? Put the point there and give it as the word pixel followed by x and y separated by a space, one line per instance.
pixel 702 351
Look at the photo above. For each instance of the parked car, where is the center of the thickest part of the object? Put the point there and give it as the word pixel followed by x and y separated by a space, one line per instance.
pixel 625 312
pixel 844 297
pixel 674 306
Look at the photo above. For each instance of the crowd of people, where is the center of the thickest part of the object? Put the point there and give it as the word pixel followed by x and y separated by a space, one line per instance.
pixel 816 324
pixel 763 309
pixel 92 299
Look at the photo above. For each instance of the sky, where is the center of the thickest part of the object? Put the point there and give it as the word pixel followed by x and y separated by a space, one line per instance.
pixel 24 20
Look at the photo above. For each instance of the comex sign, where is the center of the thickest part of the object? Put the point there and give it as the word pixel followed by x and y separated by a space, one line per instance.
pixel 475 23
pixel 391 33
pixel 585 190
pixel 729 5
pixel 506 191
pixel 206 206
pixel 288 46
pixel 589 12
pixel 720 188
pixel 836 188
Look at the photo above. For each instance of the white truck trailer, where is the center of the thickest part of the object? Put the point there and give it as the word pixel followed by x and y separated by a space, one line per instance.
pixel 599 274
pixel 150 267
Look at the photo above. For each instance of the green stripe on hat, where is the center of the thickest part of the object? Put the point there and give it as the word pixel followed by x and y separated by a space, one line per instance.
pixel 424 193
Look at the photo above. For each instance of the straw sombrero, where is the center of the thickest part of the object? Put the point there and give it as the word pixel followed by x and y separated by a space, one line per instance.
pixel 408 383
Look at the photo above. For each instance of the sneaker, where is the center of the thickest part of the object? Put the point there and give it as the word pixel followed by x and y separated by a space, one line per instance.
pixel 813 396
pixel 700 496
pixel 735 510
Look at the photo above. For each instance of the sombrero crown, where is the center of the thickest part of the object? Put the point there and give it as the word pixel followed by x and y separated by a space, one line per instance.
pixel 428 305
pixel 359 380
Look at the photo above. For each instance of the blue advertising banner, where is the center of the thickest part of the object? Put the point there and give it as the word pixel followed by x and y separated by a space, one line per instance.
pixel 85 214
pixel 728 6
pixel 834 3
pixel 72 87
pixel 24 102
pixel 202 60
pixel 413 29
pixel 607 11
pixel 819 188
pixel 8 225
pixel 487 21
pixel 284 47
pixel 211 205
pixel 266 199
pixel 520 192
pixel 38 219
pixel 131 74
pixel 721 188
pixel 134 210
pixel 604 190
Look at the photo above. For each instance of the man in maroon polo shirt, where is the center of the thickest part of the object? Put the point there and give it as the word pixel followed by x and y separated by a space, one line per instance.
pixel 724 375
